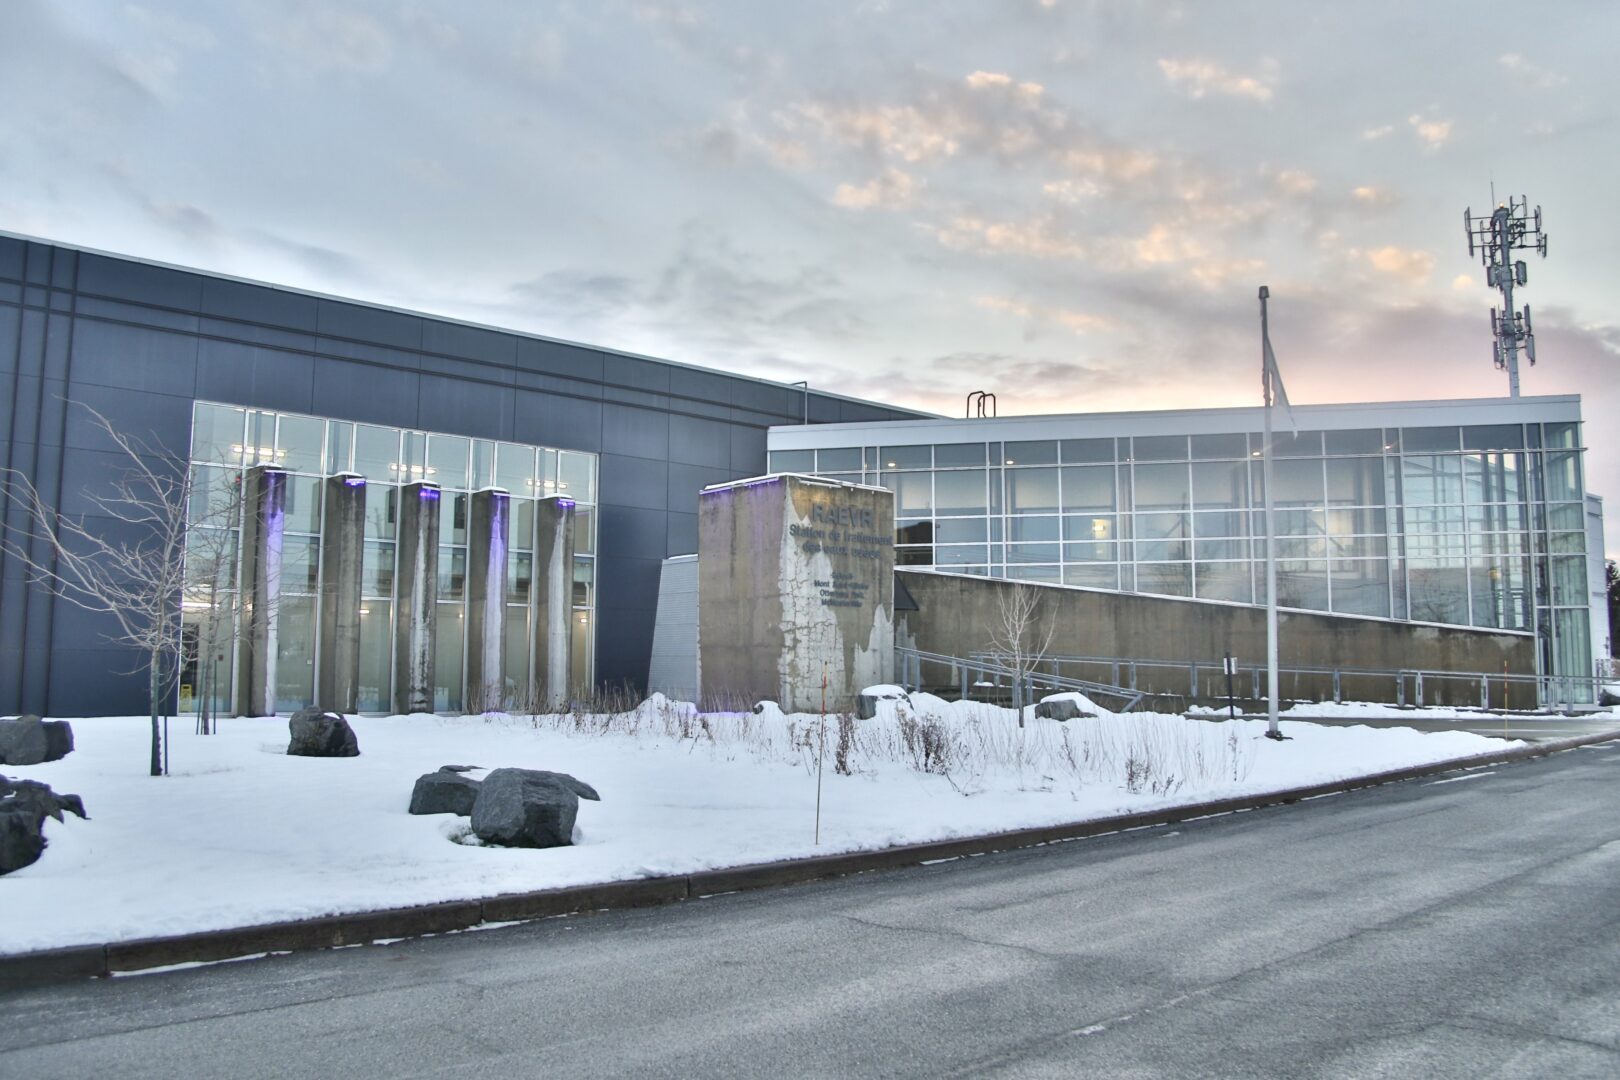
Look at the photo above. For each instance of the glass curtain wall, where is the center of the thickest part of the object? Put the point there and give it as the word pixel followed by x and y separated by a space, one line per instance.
pixel 1472 526
pixel 227 440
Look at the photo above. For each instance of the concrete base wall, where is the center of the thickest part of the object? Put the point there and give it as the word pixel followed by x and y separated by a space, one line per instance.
pixel 956 613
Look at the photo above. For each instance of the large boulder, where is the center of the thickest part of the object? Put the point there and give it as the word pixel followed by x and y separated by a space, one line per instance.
pixel 28 740
pixel 866 702
pixel 445 792
pixel 1065 707
pixel 24 806
pixel 321 734
pixel 528 808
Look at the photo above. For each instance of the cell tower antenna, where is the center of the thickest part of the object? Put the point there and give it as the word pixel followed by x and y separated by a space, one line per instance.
pixel 1511 226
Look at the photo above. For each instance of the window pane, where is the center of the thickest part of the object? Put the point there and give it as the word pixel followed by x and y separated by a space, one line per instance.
pixel 216 433
pixel 300 565
pixel 1355 482
pixel 1155 550
pixel 1089 527
pixel 1207 447
pixel 1098 551
pixel 576 476
pixel 1085 450
pixel 1302 584
pixel 960 531
pixel 1094 577
pixel 515 664
pixel 584 532
pixel 376 452
pixel 1299 483
pixel 1159 448
pixel 913 532
pixel 514 469
pixel 1220 485
pixel 913 493
pixel 295 652
pixel 452 573
pixel 1361 588
pixel 1364 441
pixel 1032 528
pixel 1304 444
pixel 301 444
pixel 377 569
pixel 793 461
pixel 1089 489
pixel 1225 581
pixel 1438 590
pixel 1041 452
pixel 1161 487
pixel 339 446
pixel 1428 440
pixel 1167 579
pixel 959 492
pixel 1032 491
pixel 1428 479
pixel 845 459
pixel 959 556
pixel 453 518
pixel 1493 437
pixel 447 461
pixel 1228 524
pixel 447 648
pixel 952 455
pixel 1032 553
pixel 906 457
pixel 381 502
pixel 303 507
pixel 584 583
pixel 1563 475
pixel 376 643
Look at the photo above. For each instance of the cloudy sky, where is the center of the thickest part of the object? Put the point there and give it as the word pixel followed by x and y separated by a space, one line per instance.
pixel 1067 202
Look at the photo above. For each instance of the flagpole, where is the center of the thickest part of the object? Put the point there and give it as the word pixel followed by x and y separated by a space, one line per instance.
pixel 1268 391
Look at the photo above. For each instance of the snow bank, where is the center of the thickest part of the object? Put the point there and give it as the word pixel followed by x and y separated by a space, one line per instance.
pixel 242 833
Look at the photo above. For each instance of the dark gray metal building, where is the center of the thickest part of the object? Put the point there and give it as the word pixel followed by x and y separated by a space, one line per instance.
pixel 144 344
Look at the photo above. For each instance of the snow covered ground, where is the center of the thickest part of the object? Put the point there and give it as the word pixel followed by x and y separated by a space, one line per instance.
pixel 241 833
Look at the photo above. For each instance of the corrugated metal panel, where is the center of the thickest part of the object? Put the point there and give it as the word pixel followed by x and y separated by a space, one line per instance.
pixel 674 669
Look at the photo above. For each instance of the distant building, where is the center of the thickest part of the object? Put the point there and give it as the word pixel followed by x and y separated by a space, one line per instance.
pixel 1466 513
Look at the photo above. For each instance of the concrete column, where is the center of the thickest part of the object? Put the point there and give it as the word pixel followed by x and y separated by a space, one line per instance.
pixel 416 594
pixel 488 535
pixel 264 525
pixel 342 547
pixel 553 600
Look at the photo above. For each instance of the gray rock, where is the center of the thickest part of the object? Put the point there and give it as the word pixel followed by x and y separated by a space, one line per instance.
pixel 39 799
pixel 444 792
pixel 24 806
pixel 22 840
pixel 528 808
pixel 1060 708
pixel 321 734
pixel 28 740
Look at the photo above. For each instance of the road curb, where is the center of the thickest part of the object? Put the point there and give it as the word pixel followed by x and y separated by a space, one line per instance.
pixel 22 970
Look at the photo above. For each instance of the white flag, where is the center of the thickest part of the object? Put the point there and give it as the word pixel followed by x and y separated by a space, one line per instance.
pixel 1274 383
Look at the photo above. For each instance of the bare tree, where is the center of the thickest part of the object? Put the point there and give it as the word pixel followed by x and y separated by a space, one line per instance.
pixel 1017 637
pixel 125 559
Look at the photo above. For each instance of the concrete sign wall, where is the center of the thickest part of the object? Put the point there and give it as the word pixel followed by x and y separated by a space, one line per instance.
pixel 795 578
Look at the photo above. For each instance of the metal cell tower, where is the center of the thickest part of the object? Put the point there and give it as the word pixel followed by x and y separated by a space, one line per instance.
pixel 1511 227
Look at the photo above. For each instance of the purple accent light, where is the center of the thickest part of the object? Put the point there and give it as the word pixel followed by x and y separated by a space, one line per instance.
pixel 354 481
pixel 428 493
pixel 565 502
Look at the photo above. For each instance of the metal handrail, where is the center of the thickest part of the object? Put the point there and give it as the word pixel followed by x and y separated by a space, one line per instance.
pixel 1550 690
pixel 910 662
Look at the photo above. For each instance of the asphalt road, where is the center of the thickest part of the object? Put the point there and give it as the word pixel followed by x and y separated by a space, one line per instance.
pixel 1468 927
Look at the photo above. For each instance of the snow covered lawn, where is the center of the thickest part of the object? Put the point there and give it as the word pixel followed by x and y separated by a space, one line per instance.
pixel 243 834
